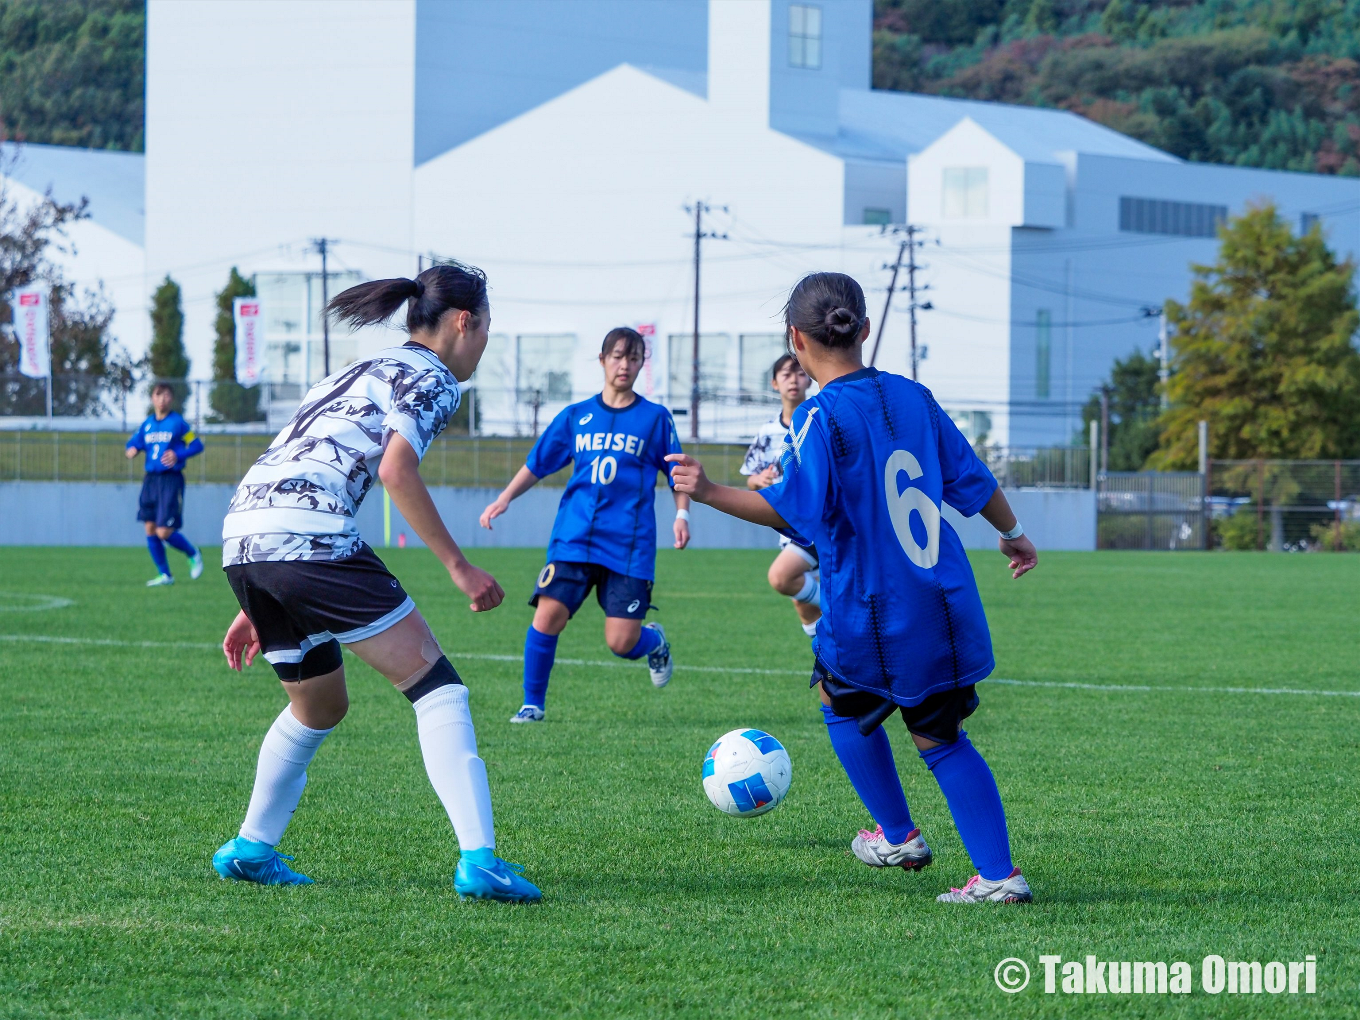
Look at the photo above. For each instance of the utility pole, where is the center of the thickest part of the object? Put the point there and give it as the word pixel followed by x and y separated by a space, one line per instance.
pixel 699 234
pixel 321 245
pixel 1104 430
pixel 907 249
pixel 1164 373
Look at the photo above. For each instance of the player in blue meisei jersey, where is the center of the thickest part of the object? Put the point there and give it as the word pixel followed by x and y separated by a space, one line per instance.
pixel 168 441
pixel 605 533
pixel 868 463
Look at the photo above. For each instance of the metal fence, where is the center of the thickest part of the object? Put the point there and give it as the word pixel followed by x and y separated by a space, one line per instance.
pixel 1150 510
pixel 1052 467
pixel 1285 505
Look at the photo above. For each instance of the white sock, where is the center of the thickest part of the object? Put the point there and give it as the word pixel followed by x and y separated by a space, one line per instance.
pixel 810 629
pixel 811 589
pixel 287 750
pixel 449 744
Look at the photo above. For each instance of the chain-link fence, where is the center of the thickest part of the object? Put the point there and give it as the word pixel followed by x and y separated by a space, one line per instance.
pixel 1285 505
pixel 1150 510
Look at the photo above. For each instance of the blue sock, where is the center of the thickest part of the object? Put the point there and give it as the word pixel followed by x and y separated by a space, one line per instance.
pixel 974 801
pixel 648 641
pixel 539 652
pixel 868 761
pixel 178 541
pixel 484 857
pixel 156 547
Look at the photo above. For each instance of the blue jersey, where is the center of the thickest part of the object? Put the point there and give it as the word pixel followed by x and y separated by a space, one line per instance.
pixel 867 464
pixel 157 435
pixel 608 513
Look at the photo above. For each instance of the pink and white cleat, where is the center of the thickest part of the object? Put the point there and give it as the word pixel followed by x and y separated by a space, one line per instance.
pixel 1011 889
pixel 874 850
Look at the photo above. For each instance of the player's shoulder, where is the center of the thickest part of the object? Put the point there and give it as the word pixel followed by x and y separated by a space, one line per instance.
pixel 581 413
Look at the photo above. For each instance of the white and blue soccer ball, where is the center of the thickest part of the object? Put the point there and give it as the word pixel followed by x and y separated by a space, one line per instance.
pixel 746 773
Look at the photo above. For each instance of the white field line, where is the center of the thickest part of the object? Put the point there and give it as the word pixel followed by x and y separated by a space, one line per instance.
pixel 726 670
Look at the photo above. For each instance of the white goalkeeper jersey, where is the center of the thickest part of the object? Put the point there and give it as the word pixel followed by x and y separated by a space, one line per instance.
pixel 766 448
pixel 299 500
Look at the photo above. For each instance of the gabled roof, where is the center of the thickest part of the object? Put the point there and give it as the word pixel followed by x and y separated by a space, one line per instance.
pixel 882 125
pixel 114 182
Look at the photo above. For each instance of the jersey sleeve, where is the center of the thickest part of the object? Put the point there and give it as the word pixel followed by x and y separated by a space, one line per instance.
pixel 193 443
pixel 670 443
pixel 968 483
pixel 137 442
pixel 553 451
pixel 752 464
pixel 422 405
pixel 800 496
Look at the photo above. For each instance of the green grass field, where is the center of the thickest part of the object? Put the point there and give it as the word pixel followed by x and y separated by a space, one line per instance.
pixel 1162 824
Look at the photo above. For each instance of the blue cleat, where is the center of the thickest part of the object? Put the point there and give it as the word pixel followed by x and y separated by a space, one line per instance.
pixel 248 861
pixel 484 876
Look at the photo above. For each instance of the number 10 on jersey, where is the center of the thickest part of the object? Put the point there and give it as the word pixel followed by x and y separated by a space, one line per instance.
pixel 603 470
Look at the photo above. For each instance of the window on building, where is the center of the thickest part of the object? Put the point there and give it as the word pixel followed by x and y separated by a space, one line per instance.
pixel 1307 221
pixel 1043 352
pixel 713 349
pixel 965 192
pixel 805 36
pixel 291 305
pixel 877 217
pixel 1158 216
pixel 759 352
pixel 543 367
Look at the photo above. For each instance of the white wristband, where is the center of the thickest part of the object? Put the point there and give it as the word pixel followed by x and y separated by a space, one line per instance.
pixel 682 515
pixel 1014 533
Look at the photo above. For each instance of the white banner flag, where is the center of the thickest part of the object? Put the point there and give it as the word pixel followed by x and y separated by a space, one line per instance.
pixel 249 340
pixel 648 331
pixel 30 327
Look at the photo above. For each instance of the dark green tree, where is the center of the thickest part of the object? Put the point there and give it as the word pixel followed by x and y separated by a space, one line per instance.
pixel 230 401
pixel 1135 406
pixel 166 358
pixel 1265 350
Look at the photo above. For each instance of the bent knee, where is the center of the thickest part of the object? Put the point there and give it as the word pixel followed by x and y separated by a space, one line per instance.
pixel 622 645
pixel 783 583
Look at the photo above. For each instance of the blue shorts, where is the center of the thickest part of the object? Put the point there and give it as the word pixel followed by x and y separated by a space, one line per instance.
pixel 619 595
pixel 162 499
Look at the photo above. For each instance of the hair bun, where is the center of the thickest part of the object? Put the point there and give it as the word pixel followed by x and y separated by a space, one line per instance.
pixel 842 322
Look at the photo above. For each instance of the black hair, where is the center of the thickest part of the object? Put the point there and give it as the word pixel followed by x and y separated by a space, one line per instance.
pixel 782 361
pixel 631 338
pixel 157 387
pixel 828 307
pixel 442 288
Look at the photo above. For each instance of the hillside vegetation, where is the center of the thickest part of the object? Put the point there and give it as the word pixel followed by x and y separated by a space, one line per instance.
pixel 1265 83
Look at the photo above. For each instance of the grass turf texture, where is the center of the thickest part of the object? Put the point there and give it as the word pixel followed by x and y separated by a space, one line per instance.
pixel 1153 826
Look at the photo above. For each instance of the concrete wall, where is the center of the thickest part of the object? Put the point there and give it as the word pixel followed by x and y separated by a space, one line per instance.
pixel 88 513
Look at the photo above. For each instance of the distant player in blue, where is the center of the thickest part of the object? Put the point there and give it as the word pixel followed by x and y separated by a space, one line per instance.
pixel 605 533
pixel 868 462
pixel 168 441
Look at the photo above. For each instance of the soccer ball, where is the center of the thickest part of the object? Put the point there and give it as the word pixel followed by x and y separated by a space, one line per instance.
pixel 746 773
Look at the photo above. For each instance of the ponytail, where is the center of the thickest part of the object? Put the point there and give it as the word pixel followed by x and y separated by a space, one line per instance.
pixel 442 288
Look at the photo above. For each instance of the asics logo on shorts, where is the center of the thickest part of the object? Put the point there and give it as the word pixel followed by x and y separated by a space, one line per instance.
pixel 633 606
pixel 546 575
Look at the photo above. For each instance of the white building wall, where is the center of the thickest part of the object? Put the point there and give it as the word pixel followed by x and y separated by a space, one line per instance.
pixel 269 123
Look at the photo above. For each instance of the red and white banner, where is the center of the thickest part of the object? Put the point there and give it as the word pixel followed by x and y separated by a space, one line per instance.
pixel 30 328
pixel 249 340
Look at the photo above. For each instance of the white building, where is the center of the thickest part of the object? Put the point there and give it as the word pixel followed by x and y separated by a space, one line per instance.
pixel 556 145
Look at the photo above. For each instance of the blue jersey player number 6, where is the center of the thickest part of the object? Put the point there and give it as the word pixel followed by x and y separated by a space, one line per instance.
pixel 901 504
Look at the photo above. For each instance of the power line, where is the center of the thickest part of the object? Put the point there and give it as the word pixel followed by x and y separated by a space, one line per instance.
pixel 699 208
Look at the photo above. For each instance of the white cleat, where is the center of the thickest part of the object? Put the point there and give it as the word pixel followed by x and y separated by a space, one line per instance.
pixel 162 579
pixel 1011 889
pixel 659 662
pixel 196 566
pixel 528 713
pixel 874 850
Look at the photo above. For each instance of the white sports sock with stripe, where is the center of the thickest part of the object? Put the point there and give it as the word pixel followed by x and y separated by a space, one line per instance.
pixel 811 590
pixel 280 776
pixel 449 745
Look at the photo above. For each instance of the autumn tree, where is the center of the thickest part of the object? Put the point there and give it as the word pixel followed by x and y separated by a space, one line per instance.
pixel 1264 350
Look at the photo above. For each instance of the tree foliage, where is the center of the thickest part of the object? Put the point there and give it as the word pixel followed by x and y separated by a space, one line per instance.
pixel 72 72
pixel 1264 350
pixel 230 401
pixel 1265 83
pixel 166 356
pixel 1135 407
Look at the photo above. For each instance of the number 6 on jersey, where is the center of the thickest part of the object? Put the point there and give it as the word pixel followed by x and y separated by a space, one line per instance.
pixel 900 506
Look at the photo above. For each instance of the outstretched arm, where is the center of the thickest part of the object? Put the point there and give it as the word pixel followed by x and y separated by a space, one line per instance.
pixel 741 503
pixel 998 513
pixel 523 481
pixel 400 475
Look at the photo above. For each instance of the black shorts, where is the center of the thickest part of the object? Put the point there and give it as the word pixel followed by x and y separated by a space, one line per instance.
pixel 162 499
pixel 304 610
pixel 937 718
pixel 619 595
